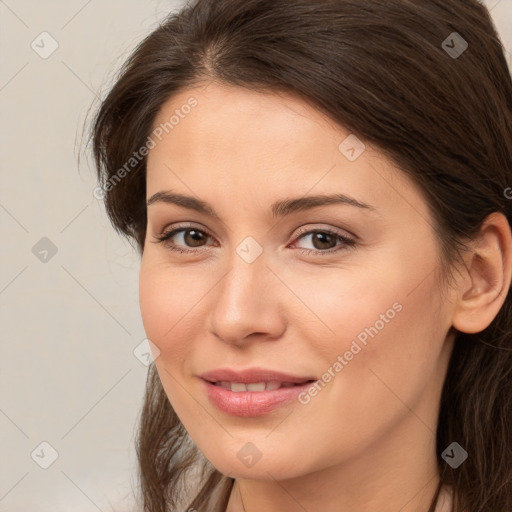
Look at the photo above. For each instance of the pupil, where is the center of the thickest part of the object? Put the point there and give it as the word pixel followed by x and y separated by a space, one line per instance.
pixel 320 237
pixel 195 237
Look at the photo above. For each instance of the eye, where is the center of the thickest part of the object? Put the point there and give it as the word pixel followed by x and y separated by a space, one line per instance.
pixel 189 235
pixel 192 237
pixel 324 239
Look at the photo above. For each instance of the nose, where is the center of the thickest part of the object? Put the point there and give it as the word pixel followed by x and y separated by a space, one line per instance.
pixel 247 303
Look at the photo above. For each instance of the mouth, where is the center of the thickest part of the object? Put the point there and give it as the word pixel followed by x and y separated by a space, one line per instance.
pixel 258 387
pixel 252 392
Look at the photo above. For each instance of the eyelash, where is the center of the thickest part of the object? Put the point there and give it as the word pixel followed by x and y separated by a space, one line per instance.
pixel 348 242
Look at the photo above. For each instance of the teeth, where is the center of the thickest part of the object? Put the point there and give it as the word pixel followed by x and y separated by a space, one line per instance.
pixel 238 387
pixel 256 386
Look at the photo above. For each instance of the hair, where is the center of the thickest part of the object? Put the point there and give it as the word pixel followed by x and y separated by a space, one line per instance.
pixel 380 69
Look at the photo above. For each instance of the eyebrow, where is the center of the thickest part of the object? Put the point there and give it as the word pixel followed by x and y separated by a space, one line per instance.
pixel 279 208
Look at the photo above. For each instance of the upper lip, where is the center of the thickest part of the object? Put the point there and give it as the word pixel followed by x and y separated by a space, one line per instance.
pixel 252 375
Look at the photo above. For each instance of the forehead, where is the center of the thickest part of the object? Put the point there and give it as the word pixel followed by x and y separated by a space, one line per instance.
pixel 225 117
pixel 235 138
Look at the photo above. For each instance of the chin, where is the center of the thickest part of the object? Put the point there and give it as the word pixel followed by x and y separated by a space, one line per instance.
pixel 266 468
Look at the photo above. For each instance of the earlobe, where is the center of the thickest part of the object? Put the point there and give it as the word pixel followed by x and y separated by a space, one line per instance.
pixel 488 271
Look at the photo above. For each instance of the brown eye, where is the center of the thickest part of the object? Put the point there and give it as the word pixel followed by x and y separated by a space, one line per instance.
pixel 188 238
pixel 193 237
pixel 322 240
pixel 325 241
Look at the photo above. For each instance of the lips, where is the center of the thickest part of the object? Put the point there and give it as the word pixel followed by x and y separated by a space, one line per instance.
pixel 254 375
pixel 238 387
pixel 254 391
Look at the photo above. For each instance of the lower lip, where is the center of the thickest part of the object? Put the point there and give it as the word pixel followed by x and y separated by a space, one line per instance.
pixel 252 403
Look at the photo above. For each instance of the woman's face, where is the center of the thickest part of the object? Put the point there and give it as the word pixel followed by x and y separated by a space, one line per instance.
pixel 273 280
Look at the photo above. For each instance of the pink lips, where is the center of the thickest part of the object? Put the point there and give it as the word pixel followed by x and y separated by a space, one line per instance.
pixel 248 403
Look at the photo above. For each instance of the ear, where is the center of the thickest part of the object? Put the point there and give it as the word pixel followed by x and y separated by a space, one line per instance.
pixel 487 276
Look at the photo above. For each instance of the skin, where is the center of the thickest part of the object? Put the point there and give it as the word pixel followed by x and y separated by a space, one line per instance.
pixel 366 442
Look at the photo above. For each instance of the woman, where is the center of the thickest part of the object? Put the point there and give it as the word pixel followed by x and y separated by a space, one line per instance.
pixel 320 194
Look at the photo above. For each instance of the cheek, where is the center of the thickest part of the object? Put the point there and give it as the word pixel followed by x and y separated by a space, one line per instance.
pixel 385 368
pixel 154 301
pixel 165 298
pixel 166 305
pixel 390 351
pixel 383 316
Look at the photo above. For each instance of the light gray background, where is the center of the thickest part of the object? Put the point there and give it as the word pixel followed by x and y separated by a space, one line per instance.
pixel 70 324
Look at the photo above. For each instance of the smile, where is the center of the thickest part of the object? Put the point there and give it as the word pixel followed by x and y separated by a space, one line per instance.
pixel 238 387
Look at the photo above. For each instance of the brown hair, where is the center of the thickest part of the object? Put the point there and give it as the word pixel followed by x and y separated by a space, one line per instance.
pixel 385 70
